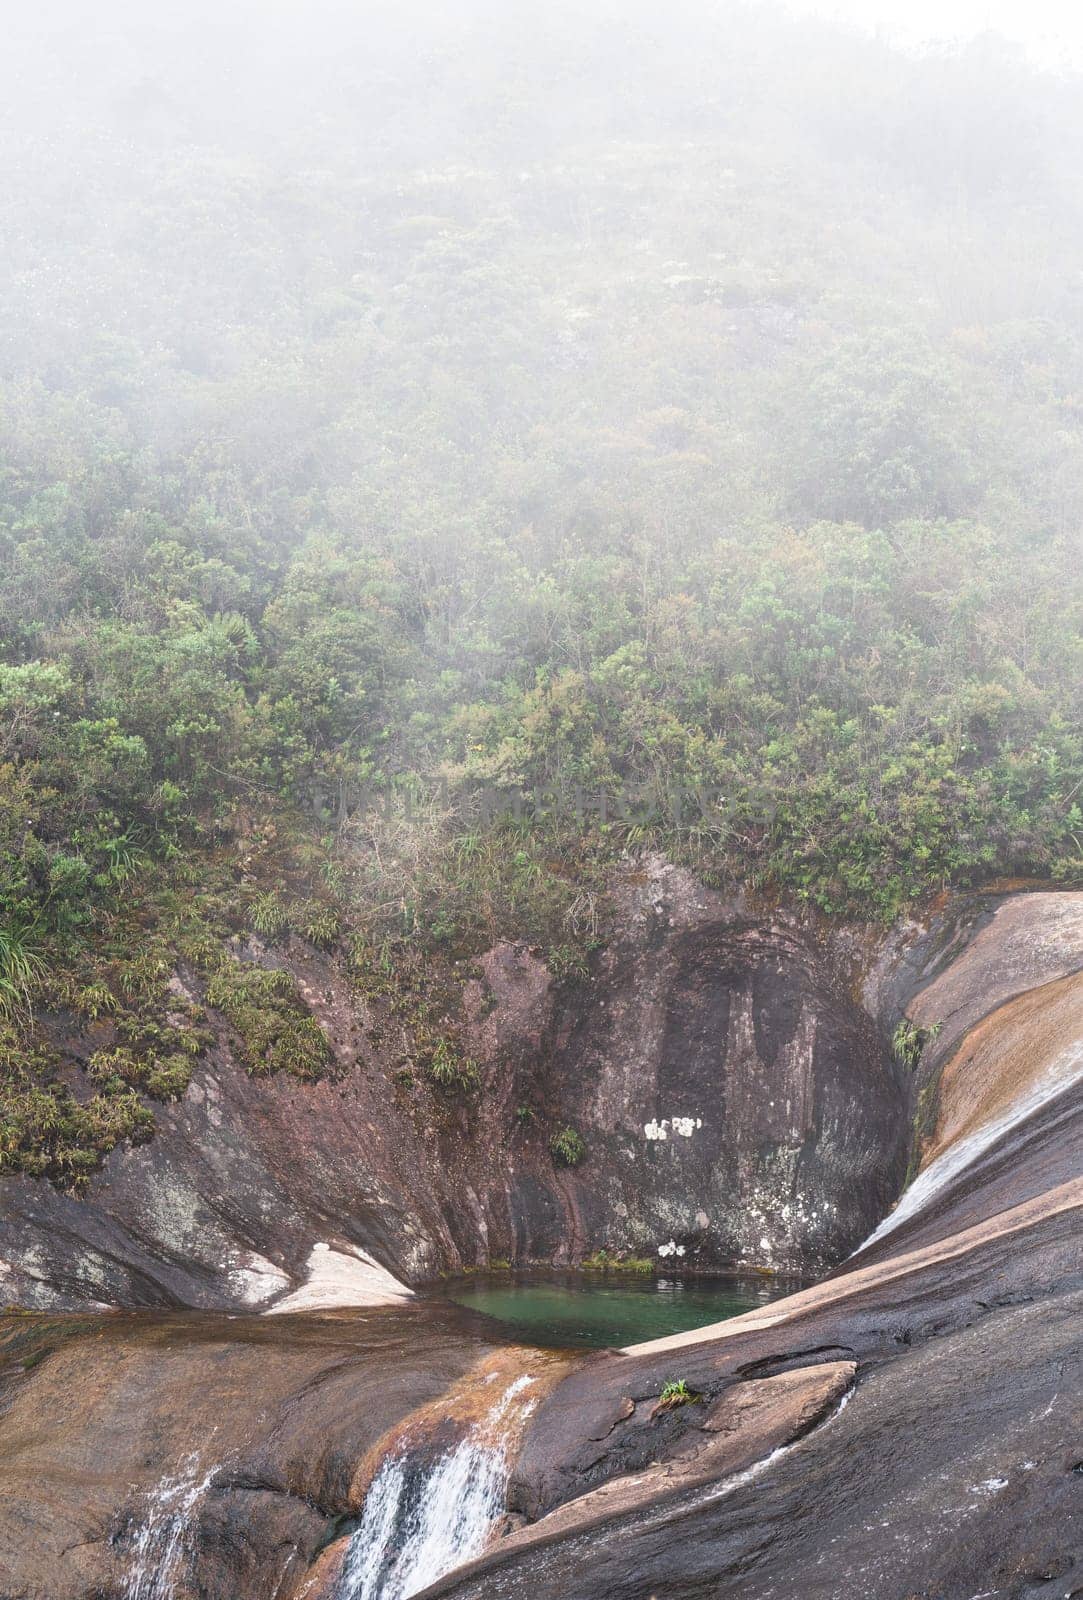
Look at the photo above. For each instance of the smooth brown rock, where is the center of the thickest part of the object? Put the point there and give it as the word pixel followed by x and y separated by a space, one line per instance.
pixel 744 1426
pixel 279 1414
pixel 781 1408
pixel 1029 940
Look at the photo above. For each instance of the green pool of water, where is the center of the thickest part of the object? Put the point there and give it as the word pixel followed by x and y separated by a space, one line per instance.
pixel 594 1310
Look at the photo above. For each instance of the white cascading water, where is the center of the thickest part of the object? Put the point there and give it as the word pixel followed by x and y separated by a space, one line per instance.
pixel 418 1523
pixel 161 1547
pixel 1060 1075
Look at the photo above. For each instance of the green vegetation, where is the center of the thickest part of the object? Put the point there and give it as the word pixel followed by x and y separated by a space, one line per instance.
pixel 567 1148
pixel 20 966
pixel 676 1393
pixel 602 1261
pixel 277 1032
pixel 447 1066
pixel 45 1131
pixel 406 519
pixel 909 1040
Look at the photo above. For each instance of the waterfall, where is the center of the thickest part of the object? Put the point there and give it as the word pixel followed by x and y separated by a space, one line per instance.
pixel 1064 1071
pixel 160 1548
pixel 421 1517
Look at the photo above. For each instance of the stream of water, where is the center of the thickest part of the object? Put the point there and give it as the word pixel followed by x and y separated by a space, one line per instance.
pixel 417 1525
pixel 432 1507
pixel 1061 1074
pixel 423 1517
pixel 161 1546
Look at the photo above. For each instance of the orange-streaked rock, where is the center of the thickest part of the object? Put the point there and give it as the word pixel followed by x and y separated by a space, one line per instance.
pixel 1032 1041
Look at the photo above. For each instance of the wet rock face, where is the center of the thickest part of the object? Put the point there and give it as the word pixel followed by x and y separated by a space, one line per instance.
pixel 950 1466
pixel 927 1384
pixel 219 1453
pixel 743 1106
pixel 726 1070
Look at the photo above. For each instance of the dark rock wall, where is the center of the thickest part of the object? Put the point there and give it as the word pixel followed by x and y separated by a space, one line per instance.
pixel 737 1103
pixel 726 1066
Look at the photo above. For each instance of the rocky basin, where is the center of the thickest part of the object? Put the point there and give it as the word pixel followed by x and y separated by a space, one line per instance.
pixel 908 1427
pixel 730 1080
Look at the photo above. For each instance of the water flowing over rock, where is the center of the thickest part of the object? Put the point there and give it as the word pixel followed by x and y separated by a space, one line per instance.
pixel 430 1510
pixel 959 1322
pixel 416 1526
pixel 163 1542
pixel 110 1426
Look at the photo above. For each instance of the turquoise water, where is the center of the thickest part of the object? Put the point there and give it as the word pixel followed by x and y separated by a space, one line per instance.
pixel 596 1310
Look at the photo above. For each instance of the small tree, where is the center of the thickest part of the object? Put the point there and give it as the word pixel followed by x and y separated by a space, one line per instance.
pixel 567 1147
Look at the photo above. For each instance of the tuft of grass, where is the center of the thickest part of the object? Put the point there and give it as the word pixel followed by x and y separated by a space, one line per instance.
pixel 268 915
pixel 568 963
pixel 909 1040
pixel 21 966
pixel 449 1068
pixel 277 1032
pixel 95 1000
pixel 675 1392
pixel 314 920
pixel 317 922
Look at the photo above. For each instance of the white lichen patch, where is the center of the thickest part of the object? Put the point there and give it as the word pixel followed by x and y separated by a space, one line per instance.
pixel 684 1126
pixel 255 1279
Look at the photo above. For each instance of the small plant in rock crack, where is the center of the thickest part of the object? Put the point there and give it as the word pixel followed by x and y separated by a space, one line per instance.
pixel 450 1069
pixel 909 1041
pixel 676 1393
pixel 567 1148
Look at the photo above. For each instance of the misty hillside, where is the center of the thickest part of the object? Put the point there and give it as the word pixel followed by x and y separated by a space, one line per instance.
pixel 413 431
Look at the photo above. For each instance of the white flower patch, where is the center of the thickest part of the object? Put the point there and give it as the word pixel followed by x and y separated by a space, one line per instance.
pixel 671 1249
pixel 656 1130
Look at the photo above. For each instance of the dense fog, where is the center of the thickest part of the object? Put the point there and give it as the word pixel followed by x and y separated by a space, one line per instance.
pixel 597 428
